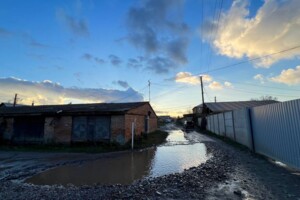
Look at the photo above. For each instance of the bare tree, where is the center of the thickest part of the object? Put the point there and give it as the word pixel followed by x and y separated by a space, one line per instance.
pixel 265 98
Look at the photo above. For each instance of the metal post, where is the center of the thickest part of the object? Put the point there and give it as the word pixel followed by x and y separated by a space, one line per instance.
pixel 132 135
pixel 149 83
pixel 202 91
pixel 15 99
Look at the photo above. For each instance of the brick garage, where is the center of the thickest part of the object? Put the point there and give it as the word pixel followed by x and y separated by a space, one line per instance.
pixel 66 124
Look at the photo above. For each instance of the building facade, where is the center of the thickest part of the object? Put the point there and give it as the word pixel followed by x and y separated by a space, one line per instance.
pixel 77 123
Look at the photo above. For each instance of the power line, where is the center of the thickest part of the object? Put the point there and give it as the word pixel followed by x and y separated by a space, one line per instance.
pixel 271 87
pixel 253 59
pixel 261 93
pixel 215 30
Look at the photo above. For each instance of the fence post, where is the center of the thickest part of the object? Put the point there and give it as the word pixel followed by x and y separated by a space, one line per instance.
pixel 251 129
pixel 219 132
pixel 132 135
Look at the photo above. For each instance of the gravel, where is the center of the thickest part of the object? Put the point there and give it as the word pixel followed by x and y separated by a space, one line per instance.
pixel 230 173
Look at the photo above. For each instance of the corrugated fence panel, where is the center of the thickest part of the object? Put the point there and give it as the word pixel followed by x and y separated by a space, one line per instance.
pixel 276 129
pixel 216 124
pixel 242 127
pixel 208 127
pixel 221 124
pixel 229 125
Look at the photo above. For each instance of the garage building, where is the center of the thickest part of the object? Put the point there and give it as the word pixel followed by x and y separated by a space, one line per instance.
pixel 72 123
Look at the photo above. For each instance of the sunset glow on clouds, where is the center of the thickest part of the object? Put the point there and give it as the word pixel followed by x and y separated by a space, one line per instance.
pixel 107 51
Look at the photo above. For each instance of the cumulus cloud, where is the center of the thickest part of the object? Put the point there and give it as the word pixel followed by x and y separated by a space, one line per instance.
pixel 275 27
pixel 135 63
pixel 155 64
pixel 288 76
pixel 260 78
pixel 48 92
pixel 187 77
pixel 215 85
pixel 160 65
pixel 115 60
pixel 90 57
pixel 76 26
pixel 123 84
pixel 154 29
pixel 228 84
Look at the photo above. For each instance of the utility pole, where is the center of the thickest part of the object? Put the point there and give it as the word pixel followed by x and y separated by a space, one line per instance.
pixel 149 83
pixel 202 90
pixel 15 99
pixel 215 99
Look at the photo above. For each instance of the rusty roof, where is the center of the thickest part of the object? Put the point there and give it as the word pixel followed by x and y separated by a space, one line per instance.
pixel 234 105
pixel 99 108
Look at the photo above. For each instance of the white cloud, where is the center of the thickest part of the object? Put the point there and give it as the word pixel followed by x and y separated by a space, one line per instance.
pixel 187 77
pixel 288 76
pixel 275 27
pixel 48 92
pixel 228 84
pixel 260 78
pixel 215 85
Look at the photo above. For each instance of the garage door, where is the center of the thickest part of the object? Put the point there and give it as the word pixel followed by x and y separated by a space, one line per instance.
pixel 28 129
pixel 91 128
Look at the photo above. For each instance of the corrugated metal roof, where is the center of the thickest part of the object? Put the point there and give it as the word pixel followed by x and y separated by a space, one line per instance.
pixel 71 108
pixel 234 105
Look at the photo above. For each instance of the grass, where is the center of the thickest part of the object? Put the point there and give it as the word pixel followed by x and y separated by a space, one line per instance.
pixel 152 139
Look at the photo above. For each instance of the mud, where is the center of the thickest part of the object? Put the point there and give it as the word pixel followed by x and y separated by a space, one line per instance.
pixel 231 173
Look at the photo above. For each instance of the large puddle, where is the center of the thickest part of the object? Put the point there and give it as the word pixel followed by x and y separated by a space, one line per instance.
pixel 124 168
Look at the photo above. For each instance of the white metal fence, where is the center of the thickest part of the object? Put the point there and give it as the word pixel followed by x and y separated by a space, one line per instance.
pixel 272 130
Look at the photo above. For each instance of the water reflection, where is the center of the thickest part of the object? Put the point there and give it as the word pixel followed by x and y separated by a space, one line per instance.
pixel 128 167
pixel 122 169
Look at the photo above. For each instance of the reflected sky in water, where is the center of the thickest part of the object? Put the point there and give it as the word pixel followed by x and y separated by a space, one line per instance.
pixel 125 168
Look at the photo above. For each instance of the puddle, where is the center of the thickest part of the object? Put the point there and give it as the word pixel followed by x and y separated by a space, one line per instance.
pixel 127 167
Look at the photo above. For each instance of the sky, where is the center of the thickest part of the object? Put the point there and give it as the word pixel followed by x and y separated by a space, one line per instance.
pixel 87 51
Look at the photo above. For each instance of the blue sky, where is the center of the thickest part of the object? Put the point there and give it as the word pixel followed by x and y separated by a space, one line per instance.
pixel 54 52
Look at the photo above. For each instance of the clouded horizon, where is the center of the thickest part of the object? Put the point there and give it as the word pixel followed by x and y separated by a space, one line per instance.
pixel 58 52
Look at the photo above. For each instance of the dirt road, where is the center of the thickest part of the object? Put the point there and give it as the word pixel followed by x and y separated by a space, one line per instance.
pixel 230 173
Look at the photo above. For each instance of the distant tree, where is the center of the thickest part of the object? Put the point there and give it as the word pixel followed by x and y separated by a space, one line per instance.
pixel 265 98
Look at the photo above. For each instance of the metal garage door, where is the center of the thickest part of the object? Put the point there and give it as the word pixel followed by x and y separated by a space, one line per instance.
pixel 91 128
pixel 28 129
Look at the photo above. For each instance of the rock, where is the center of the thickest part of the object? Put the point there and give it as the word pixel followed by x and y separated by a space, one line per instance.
pixel 238 192
pixel 158 193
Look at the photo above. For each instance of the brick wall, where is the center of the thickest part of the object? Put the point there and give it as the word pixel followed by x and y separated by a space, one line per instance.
pixel 117 129
pixel 139 115
pixel 7 129
pixel 58 130
pixel 139 125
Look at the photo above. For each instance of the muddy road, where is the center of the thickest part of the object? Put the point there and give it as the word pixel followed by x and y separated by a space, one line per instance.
pixel 189 166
